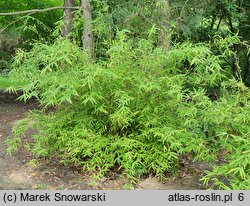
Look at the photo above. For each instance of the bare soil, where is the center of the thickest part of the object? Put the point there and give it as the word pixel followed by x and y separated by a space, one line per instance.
pixel 16 172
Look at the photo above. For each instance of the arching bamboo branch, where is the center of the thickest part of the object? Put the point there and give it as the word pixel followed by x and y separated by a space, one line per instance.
pixel 38 10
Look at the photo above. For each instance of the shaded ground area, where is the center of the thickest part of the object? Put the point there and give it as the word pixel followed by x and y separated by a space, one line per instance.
pixel 18 172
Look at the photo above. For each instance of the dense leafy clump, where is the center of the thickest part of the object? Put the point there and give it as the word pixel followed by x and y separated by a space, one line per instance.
pixel 140 110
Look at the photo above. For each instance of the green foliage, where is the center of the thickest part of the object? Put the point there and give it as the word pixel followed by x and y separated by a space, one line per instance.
pixel 138 111
pixel 20 31
pixel 8 42
pixel 14 23
pixel 6 82
pixel 225 125
pixel 196 21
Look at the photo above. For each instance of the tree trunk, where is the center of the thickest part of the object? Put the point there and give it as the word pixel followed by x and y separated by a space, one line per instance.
pixel 247 69
pixel 213 21
pixel 244 33
pixel 236 68
pixel 164 35
pixel 68 18
pixel 87 36
pixel 218 26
